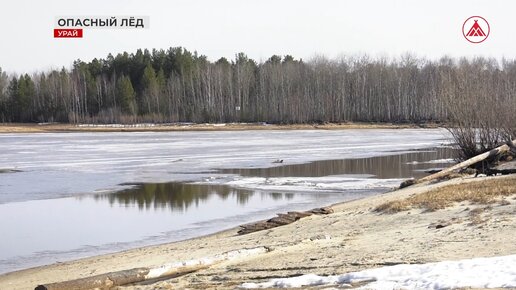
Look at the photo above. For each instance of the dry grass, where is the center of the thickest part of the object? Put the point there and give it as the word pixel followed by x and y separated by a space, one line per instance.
pixel 484 192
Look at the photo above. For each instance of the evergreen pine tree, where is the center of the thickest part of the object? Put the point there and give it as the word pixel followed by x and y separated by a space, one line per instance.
pixel 126 95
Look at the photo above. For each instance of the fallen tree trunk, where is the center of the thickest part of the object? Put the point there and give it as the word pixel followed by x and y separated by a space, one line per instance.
pixel 281 220
pixel 471 161
pixel 119 278
pixel 103 281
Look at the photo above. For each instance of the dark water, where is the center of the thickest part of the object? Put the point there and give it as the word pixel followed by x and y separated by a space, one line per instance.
pixel 411 164
pixel 178 196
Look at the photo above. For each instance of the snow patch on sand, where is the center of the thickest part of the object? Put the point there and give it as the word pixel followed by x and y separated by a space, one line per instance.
pixel 494 272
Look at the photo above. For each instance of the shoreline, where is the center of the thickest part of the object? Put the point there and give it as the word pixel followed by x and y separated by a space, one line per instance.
pixel 179 127
pixel 354 237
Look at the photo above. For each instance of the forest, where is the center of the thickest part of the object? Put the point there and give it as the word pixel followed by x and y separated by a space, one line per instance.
pixel 176 85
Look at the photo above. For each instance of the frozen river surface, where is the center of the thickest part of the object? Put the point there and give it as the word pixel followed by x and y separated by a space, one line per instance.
pixel 71 195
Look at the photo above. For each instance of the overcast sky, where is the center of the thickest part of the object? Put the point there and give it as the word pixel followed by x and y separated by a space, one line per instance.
pixel 259 28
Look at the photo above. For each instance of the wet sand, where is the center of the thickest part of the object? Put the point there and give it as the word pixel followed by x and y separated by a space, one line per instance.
pixel 353 238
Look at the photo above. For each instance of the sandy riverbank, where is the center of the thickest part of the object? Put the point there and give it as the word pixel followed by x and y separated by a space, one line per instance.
pixel 48 128
pixel 354 237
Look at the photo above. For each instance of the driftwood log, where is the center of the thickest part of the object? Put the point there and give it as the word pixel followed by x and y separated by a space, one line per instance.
pixel 508 167
pixel 104 281
pixel 281 220
pixel 494 152
pixel 119 278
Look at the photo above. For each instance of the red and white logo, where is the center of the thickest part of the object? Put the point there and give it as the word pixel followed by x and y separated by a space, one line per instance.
pixel 475 29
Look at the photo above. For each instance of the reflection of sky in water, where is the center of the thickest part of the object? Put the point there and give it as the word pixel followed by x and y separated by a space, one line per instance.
pixel 46 231
pixel 69 223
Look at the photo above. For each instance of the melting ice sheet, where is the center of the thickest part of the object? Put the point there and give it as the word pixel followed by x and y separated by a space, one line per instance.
pixel 56 164
pixel 63 205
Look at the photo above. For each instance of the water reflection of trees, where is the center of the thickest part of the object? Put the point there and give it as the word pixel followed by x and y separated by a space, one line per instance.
pixel 391 166
pixel 180 196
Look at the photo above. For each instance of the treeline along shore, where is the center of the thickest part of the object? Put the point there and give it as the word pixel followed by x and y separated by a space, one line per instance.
pixel 176 85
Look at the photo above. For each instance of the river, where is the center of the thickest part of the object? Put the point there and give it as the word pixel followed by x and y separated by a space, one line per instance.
pixel 70 195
